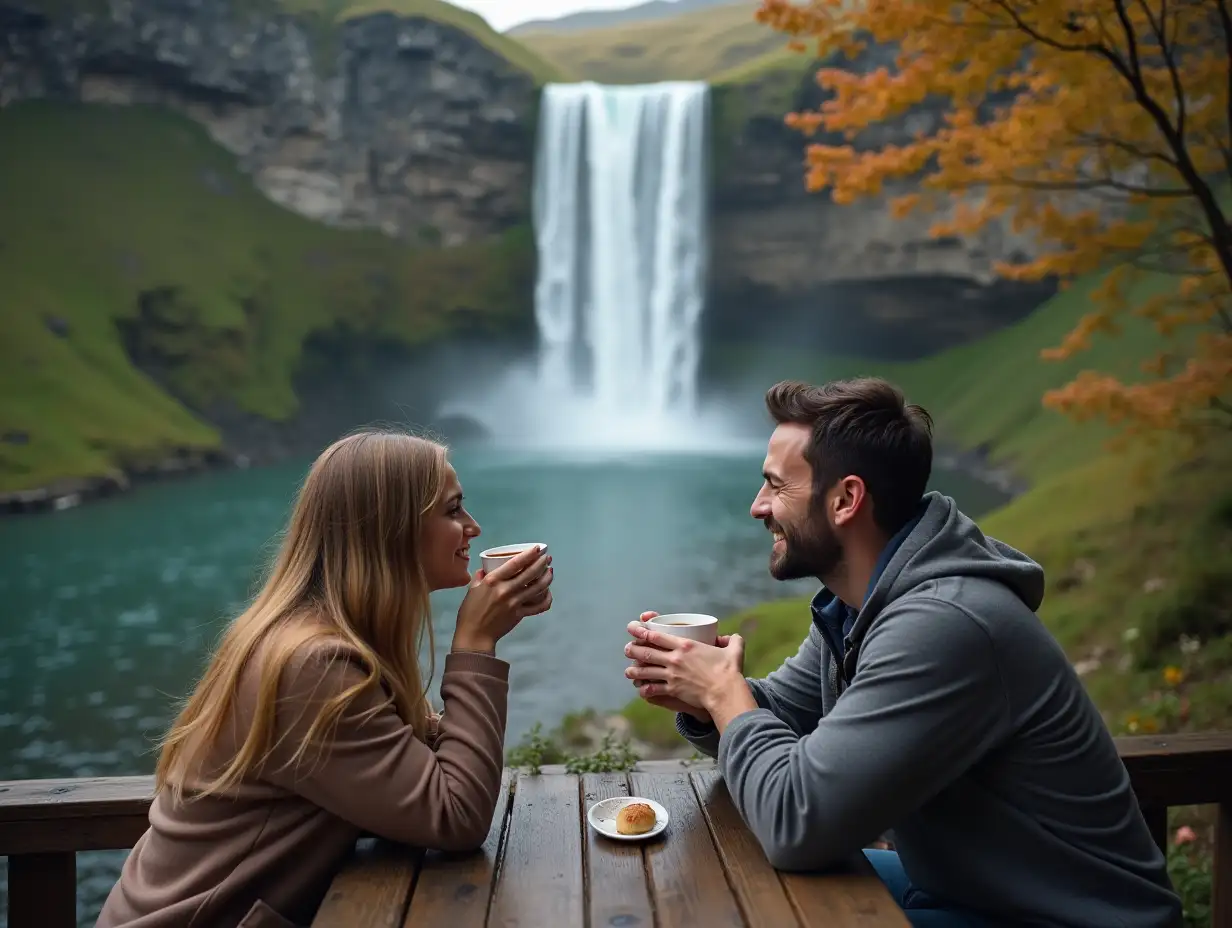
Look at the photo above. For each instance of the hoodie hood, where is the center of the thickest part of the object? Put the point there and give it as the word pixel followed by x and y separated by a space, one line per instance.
pixel 946 544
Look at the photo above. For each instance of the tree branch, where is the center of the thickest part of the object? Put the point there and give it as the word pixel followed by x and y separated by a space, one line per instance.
pixel 1161 34
pixel 1131 41
pixel 1036 35
pixel 1223 145
pixel 1094 184
pixel 1220 228
pixel 1225 20
pixel 1121 145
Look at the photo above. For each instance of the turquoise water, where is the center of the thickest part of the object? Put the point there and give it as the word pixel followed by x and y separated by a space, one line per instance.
pixel 109 609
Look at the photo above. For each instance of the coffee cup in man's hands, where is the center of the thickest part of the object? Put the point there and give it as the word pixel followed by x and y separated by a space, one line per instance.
pixel 692 625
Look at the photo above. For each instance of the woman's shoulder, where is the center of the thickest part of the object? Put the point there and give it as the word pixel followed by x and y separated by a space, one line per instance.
pixel 325 649
pixel 307 658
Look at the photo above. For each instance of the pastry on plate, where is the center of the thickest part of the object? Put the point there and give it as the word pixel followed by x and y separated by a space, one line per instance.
pixel 636 818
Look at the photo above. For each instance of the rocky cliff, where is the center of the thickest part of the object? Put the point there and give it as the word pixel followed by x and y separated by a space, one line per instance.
pixel 794 267
pixel 160 304
pixel 403 124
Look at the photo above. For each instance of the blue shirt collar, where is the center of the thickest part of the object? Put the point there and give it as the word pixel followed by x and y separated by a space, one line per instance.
pixel 832 610
pixel 891 548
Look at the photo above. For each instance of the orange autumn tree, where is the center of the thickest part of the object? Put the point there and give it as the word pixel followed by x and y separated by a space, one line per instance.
pixel 1104 127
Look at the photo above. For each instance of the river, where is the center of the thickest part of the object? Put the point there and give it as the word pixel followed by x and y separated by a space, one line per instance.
pixel 110 608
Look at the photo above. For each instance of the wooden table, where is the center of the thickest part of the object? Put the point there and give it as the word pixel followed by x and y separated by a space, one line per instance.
pixel 550 863
pixel 543 866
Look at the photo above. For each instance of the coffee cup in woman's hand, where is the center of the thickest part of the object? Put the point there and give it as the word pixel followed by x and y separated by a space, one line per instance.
pixel 495 557
pixel 498 599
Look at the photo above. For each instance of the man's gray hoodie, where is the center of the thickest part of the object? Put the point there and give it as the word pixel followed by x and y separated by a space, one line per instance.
pixel 955 721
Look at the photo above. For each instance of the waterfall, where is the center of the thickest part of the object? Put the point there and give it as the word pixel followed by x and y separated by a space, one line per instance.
pixel 620 217
pixel 620 224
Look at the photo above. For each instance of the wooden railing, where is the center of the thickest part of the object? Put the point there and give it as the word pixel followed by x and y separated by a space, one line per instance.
pixel 45 823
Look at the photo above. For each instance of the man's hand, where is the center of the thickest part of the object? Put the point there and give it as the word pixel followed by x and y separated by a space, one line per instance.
pixel 671 704
pixel 677 705
pixel 685 671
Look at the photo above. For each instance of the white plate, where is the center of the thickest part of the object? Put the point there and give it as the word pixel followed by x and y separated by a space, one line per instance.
pixel 602 817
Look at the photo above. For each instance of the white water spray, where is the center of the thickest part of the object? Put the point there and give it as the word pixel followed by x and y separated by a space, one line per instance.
pixel 620 213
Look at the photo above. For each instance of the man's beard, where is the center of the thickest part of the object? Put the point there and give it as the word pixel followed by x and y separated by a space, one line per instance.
pixel 815 552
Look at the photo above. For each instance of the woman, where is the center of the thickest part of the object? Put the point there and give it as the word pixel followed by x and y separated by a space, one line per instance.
pixel 312 724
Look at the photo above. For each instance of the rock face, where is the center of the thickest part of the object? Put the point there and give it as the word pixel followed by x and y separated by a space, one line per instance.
pixel 406 125
pixel 793 267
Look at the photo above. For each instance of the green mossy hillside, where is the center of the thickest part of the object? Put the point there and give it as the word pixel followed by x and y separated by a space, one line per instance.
pixel 131 220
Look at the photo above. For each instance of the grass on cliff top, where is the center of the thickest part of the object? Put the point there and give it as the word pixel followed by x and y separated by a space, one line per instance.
pixel 1137 547
pixel 779 59
pixel 104 204
pixel 692 46
pixel 513 51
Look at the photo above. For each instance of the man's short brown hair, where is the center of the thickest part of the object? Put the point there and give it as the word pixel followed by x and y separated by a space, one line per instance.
pixel 866 428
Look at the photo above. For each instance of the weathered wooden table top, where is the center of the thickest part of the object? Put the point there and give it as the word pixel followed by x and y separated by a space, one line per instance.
pixel 543 866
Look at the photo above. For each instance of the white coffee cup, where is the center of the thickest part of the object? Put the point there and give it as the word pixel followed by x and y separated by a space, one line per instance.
pixel 494 557
pixel 691 625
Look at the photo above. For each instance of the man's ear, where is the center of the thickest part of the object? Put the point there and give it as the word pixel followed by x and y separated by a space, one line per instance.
pixel 847 498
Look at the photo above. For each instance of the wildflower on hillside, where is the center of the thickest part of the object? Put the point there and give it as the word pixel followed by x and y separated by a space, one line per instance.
pixel 1129 635
pixel 1173 676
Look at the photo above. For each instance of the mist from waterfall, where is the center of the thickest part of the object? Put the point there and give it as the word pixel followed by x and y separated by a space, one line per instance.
pixel 620 214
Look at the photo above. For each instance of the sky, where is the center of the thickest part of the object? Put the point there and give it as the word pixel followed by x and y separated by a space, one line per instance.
pixel 501 14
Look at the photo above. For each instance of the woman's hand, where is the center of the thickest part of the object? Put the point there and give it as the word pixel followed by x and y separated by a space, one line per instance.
pixel 496 602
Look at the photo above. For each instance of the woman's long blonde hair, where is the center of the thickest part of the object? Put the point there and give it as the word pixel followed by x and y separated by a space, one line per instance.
pixel 348 570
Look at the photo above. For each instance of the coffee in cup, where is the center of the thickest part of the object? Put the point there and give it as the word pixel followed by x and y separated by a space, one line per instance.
pixel 494 557
pixel 691 625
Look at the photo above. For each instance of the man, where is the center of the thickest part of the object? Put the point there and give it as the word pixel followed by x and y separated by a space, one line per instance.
pixel 927 700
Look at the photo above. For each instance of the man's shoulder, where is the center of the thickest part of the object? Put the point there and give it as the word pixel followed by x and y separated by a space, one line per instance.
pixel 961 619
pixel 985 601
pixel 930 624
pixel 933 605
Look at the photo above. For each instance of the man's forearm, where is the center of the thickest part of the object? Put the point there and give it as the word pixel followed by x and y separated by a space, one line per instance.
pixel 730 701
pixel 698 716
